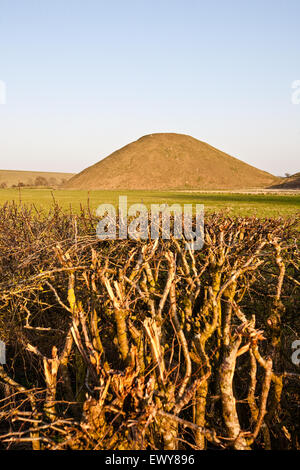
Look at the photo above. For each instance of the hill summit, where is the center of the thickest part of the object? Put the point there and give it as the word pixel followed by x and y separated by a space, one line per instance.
pixel 170 161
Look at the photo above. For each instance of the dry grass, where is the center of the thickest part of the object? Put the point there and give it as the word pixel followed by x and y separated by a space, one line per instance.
pixel 170 161
pixel 14 177
pixel 292 182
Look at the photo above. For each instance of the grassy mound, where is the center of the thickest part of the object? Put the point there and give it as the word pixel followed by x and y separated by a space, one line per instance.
pixel 170 161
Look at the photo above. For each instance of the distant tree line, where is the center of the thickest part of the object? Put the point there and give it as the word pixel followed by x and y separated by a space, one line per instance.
pixel 39 181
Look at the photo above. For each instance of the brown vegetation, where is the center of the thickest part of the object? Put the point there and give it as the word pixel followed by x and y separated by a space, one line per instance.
pixel 290 182
pixel 145 345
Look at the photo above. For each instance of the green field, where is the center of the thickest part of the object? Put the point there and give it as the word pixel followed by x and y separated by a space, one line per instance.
pixel 261 205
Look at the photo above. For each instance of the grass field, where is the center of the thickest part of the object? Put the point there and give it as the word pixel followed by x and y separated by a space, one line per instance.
pixel 235 204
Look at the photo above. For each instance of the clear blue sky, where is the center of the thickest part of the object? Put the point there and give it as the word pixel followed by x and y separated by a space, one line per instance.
pixel 86 77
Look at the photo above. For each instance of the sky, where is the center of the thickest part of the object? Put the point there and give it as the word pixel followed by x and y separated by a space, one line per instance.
pixel 84 78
